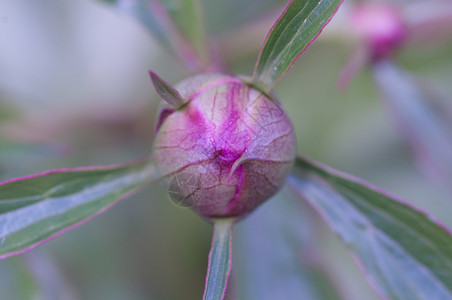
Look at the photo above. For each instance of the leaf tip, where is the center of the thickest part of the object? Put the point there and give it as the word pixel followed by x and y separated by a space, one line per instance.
pixel 168 93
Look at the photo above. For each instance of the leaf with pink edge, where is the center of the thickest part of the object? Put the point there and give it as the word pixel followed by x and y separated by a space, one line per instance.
pixel 36 208
pixel 405 252
pixel 297 27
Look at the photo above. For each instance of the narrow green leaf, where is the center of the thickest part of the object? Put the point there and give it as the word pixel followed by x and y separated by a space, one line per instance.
pixel 219 266
pixel 186 42
pixel 189 18
pixel 405 252
pixel 36 208
pixel 427 128
pixel 166 91
pixel 297 27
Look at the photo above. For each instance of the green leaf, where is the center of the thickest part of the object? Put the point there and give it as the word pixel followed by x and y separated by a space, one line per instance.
pixel 426 128
pixel 280 236
pixel 36 208
pixel 166 91
pixel 189 18
pixel 405 252
pixel 176 24
pixel 219 266
pixel 297 27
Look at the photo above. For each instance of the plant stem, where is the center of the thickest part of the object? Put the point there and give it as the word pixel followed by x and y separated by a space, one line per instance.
pixel 220 260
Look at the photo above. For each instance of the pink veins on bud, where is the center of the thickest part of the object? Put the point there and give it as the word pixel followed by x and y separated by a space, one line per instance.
pixel 236 145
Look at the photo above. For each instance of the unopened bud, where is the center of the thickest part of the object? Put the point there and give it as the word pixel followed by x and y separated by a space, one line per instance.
pixel 227 149
pixel 381 26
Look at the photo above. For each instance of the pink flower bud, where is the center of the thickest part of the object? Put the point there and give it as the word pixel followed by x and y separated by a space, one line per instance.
pixel 227 150
pixel 381 26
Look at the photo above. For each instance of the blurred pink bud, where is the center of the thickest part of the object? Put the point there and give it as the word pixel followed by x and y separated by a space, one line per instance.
pixel 380 25
pixel 228 150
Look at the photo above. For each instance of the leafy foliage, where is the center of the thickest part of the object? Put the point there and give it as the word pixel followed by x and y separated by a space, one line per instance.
pixel 36 208
pixel 278 253
pixel 189 18
pixel 178 25
pixel 405 253
pixel 295 30
pixel 426 128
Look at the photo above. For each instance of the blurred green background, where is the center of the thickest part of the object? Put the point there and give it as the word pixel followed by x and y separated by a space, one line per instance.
pixel 74 90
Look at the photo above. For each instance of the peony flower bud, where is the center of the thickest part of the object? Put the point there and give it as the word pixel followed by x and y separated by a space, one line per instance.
pixel 227 149
pixel 381 26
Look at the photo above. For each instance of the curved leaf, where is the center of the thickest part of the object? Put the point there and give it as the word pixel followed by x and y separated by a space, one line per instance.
pixel 406 253
pixel 297 27
pixel 166 91
pixel 37 208
pixel 220 261
pixel 426 128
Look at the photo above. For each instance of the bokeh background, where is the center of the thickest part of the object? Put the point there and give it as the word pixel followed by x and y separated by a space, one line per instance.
pixel 74 90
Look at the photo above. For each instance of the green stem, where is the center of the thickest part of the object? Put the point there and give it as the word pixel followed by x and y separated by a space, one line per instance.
pixel 219 266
